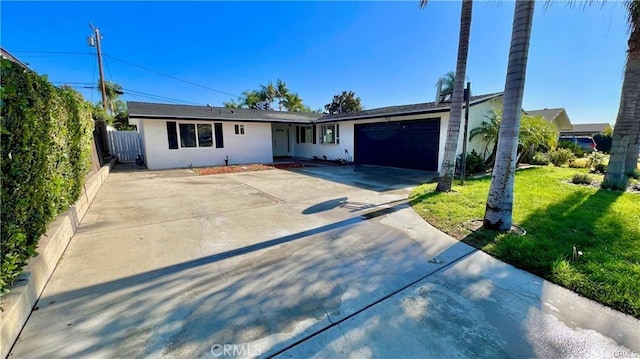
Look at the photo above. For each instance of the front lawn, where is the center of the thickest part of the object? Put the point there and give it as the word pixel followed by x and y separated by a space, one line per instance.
pixel 604 225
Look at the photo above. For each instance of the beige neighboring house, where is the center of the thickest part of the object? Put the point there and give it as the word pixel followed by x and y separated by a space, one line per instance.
pixel 557 116
pixel 587 129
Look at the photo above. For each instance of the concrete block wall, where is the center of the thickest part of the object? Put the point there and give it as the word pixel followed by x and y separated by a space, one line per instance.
pixel 17 304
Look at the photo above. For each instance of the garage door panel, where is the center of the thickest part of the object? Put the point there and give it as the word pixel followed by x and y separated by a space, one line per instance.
pixel 405 144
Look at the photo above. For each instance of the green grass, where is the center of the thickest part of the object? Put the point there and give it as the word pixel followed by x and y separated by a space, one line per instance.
pixel 557 216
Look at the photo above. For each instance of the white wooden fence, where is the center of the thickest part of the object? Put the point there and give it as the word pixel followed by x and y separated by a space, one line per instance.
pixel 125 145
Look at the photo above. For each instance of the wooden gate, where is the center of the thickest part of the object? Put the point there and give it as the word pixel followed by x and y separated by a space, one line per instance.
pixel 125 145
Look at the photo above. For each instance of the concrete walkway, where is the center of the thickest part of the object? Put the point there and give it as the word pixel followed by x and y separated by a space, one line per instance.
pixel 316 262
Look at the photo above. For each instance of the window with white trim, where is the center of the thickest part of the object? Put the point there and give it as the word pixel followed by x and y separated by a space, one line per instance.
pixel 330 134
pixel 239 129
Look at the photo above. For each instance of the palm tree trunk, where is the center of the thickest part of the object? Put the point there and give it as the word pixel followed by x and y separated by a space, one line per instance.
pixel 631 160
pixel 625 129
pixel 499 209
pixel 455 116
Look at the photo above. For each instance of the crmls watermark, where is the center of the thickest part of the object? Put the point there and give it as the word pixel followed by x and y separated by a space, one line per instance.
pixel 629 354
pixel 236 350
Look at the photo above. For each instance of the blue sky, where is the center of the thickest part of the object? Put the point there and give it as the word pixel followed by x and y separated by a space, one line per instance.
pixel 389 53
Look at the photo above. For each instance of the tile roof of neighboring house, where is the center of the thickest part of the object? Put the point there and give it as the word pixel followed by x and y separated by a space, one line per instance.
pixel 418 108
pixel 208 113
pixel 589 127
pixel 167 111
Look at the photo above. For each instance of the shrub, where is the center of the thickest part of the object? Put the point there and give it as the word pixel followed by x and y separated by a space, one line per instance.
pixel 581 178
pixel 578 163
pixel 573 147
pixel 561 156
pixel 46 149
pixel 474 163
pixel 540 158
pixel 595 161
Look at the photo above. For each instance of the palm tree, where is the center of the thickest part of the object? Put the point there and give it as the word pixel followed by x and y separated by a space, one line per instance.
pixel 293 103
pixel 626 127
pixel 499 209
pixel 633 149
pixel 112 92
pixel 455 116
pixel 447 81
pixel 281 93
pixel 488 130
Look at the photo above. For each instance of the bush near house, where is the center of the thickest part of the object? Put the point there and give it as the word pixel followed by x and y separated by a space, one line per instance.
pixel 561 156
pixel 46 150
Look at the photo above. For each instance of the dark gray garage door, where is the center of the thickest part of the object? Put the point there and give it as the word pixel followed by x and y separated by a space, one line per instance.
pixel 405 144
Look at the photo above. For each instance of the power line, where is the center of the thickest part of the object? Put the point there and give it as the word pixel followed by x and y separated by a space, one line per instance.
pixel 87 85
pixel 170 76
pixel 52 52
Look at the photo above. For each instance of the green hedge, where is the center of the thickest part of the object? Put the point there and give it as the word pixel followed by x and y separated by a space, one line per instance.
pixel 46 153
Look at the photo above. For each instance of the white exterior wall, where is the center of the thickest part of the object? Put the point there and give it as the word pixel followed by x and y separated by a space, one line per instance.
pixel 332 151
pixel 476 117
pixel 252 147
pixel 347 138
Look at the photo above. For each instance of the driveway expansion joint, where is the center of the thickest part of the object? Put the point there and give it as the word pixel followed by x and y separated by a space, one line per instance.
pixel 370 305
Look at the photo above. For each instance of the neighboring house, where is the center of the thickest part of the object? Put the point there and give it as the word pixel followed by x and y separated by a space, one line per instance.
pixel 408 136
pixel 7 55
pixel 587 129
pixel 557 116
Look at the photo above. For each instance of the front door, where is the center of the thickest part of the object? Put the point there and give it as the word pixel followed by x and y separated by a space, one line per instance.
pixel 281 145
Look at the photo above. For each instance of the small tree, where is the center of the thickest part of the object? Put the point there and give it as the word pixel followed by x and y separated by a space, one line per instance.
pixel 536 132
pixel 343 103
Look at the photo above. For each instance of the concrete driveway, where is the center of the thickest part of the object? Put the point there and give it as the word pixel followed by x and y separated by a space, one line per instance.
pixel 323 261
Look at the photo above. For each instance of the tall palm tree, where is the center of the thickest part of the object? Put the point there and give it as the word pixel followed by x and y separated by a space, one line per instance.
pixel 281 93
pixel 112 92
pixel 625 129
pixel 633 148
pixel 499 210
pixel 455 116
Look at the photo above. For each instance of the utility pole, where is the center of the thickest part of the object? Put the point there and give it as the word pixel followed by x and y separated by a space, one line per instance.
pixel 94 40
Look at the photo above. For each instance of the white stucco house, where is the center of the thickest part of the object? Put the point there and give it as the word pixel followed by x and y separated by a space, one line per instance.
pixel 407 136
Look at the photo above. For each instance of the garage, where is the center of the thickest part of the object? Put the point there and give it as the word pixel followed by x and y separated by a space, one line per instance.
pixel 405 144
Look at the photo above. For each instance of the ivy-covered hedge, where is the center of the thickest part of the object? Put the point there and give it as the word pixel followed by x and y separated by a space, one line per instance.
pixel 46 153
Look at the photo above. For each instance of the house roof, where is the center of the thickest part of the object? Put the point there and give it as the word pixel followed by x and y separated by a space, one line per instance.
pixel 557 115
pixel 413 109
pixel 589 127
pixel 548 114
pixel 7 55
pixel 148 110
pixel 168 111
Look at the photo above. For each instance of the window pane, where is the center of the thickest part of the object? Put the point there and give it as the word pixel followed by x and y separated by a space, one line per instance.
pixel 219 137
pixel 172 135
pixel 205 136
pixel 308 134
pixel 329 133
pixel 187 135
pixel 236 129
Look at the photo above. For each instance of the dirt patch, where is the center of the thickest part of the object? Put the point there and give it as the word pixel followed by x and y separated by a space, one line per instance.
pixel 243 168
